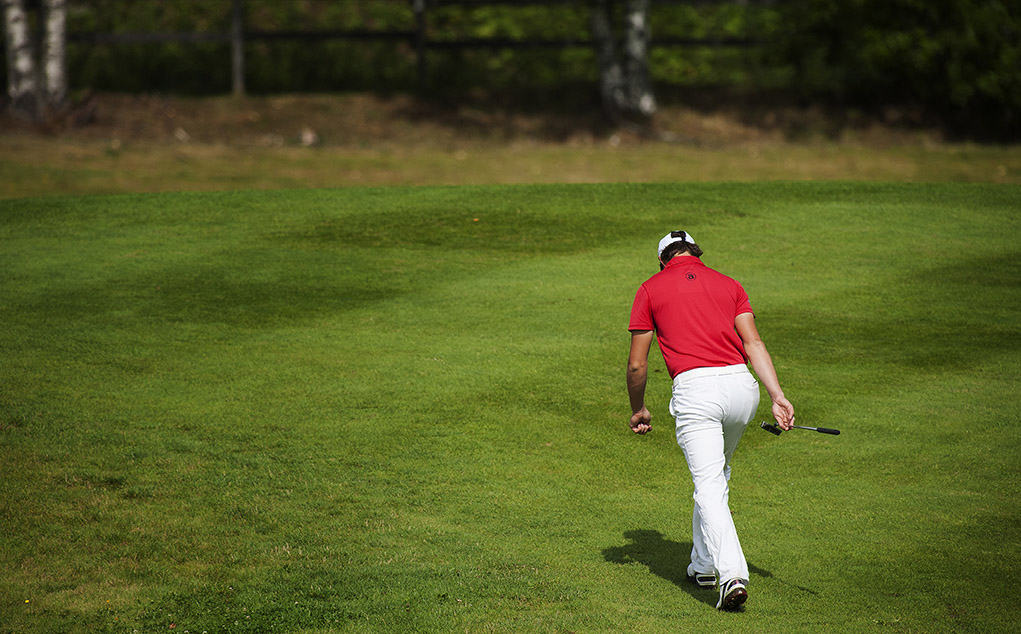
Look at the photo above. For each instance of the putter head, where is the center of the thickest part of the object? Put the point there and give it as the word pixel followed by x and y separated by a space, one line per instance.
pixel 771 428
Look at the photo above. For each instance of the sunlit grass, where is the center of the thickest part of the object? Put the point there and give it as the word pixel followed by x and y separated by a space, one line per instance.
pixel 399 409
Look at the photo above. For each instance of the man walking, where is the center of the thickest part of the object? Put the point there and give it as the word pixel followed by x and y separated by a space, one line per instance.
pixel 706 332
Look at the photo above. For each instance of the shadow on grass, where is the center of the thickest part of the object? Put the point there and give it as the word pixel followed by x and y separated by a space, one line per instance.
pixel 939 319
pixel 669 560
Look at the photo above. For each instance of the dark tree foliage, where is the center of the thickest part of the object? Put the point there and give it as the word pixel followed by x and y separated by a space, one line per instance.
pixel 957 59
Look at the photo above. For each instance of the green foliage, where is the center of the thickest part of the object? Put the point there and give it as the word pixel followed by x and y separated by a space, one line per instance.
pixel 324 65
pixel 403 409
pixel 959 58
pixel 185 67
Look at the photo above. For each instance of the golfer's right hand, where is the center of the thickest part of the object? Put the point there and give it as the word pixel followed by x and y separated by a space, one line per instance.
pixel 641 421
pixel 783 412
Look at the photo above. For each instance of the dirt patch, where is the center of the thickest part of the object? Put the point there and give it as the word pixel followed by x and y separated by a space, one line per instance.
pixel 133 143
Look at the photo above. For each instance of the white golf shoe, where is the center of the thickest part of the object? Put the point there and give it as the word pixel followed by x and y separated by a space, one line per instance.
pixel 733 594
pixel 701 579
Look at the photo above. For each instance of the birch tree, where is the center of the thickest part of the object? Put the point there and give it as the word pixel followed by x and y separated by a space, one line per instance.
pixel 636 59
pixel 22 87
pixel 55 53
pixel 36 85
pixel 623 77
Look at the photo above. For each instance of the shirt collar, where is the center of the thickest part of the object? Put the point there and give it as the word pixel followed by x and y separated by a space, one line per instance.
pixel 684 260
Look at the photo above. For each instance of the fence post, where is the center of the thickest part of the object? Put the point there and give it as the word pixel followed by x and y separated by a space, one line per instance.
pixel 419 8
pixel 237 47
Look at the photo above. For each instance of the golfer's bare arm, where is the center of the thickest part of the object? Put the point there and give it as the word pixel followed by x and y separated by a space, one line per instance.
pixel 637 372
pixel 762 363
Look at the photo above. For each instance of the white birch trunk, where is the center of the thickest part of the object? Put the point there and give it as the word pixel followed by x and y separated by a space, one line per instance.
pixel 623 81
pixel 55 52
pixel 21 73
pixel 636 51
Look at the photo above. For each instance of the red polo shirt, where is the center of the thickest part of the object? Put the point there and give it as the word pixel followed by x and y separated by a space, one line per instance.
pixel 692 309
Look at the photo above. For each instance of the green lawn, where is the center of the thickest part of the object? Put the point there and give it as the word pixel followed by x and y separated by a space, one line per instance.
pixel 403 409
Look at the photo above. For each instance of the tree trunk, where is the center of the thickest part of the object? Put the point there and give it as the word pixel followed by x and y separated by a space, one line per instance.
pixel 237 48
pixel 55 53
pixel 623 86
pixel 22 87
pixel 611 77
pixel 636 59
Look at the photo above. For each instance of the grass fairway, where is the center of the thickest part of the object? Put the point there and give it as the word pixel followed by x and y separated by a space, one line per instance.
pixel 404 410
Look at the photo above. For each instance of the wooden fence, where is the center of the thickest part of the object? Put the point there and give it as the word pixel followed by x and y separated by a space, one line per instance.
pixel 418 37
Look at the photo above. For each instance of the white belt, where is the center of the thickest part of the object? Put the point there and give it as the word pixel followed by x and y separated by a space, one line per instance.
pixel 695 373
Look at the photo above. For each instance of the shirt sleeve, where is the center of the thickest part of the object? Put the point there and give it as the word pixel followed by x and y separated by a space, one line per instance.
pixel 743 305
pixel 641 312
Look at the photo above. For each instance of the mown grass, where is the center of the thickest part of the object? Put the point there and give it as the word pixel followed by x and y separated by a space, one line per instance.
pixel 402 409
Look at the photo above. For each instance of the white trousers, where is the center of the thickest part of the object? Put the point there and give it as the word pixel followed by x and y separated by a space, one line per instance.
pixel 712 407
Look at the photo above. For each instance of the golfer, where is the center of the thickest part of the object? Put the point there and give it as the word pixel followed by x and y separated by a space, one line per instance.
pixel 706 332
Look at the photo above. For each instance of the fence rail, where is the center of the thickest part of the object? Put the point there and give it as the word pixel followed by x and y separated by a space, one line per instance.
pixel 410 36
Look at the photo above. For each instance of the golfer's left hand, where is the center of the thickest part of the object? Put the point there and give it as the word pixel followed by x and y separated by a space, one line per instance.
pixel 641 421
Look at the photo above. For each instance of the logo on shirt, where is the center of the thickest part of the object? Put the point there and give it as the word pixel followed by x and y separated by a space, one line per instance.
pixel 690 276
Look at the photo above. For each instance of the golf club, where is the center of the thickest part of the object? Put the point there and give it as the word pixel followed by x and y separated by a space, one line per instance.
pixel 773 429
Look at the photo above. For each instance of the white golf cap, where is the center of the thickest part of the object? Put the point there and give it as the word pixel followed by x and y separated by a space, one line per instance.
pixel 672 237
